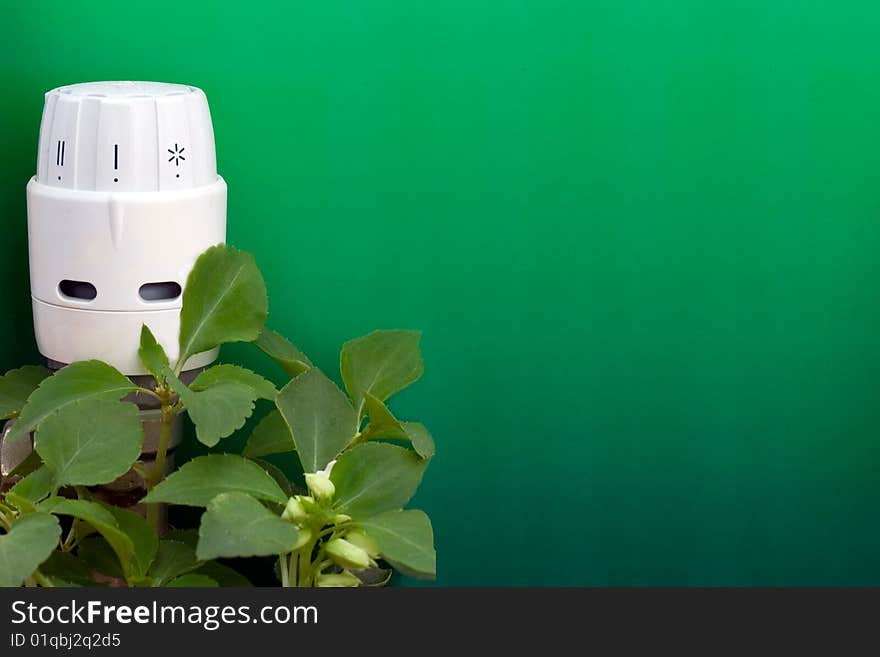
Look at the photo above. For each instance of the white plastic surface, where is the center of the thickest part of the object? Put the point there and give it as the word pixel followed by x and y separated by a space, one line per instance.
pixel 126 194
pixel 67 335
pixel 119 242
pixel 126 136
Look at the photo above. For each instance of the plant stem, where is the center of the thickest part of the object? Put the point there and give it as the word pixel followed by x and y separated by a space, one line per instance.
pixel 305 564
pixel 361 437
pixel 42 580
pixel 161 452
pixel 70 541
pixel 283 567
pixel 158 471
pixel 334 529
pixel 293 564
pixel 153 516
pixel 318 566
pixel 6 522
pixel 149 393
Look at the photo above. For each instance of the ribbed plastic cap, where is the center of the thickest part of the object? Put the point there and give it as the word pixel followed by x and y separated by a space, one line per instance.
pixel 126 137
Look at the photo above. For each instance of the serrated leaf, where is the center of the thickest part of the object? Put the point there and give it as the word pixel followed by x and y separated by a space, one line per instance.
pixel 205 477
pixel 384 425
pixel 16 386
pixel 421 438
pixel 80 381
pixel 405 540
pixel 102 520
pixel 173 559
pixel 375 477
pixel 238 525
pixel 381 363
pixel 216 412
pixel 282 351
pixel 36 486
pixel 270 436
pixel 224 301
pixel 319 416
pixel 142 536
pixel 90 442
pixel 28 544
pixel 152 355
pixel 223 374
pixel 192 580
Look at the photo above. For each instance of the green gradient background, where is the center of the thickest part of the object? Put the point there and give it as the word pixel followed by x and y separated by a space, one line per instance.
pixel 641 239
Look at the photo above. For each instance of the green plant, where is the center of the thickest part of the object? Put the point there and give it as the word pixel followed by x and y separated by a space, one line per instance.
pixel 332 528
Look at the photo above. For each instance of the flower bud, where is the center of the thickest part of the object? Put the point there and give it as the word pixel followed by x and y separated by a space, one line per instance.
pixel 359 538
pixel 339 518
pixel 347 555
pixel 338 579
pixel 320 485
pixel 305 535
pixel 295 511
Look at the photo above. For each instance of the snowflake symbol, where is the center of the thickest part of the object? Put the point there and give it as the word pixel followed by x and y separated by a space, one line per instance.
pixel 176 155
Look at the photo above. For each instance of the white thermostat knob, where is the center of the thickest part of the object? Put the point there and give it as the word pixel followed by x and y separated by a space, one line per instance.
pixel 126 136
pixel 125 198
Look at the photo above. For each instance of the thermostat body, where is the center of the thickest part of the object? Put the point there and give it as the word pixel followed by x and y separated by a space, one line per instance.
pixel 125 198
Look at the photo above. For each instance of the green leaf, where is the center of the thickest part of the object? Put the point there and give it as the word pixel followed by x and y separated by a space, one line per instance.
pixel 270 436
pixel 152 355
pixel 224 301
pixel 375 477
pixel 143 537
pixel 222 374
pixel 277 474
pixel 420 437
pixel 90 442
pixel 381 363
pixel 223 575
pixel 192 580
pixel 30 542
pixel 16 386
pixel 64 569
pixel 319 416
pixel 218 411
pixel 36 486
pixel 186 536
pixel 80 381
pixel 237 525
pixel 405 540
pixel 279 348
pixel 99 556
pixel 205 477
pixel 384 425
pixel 102 520
pixel 173 559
